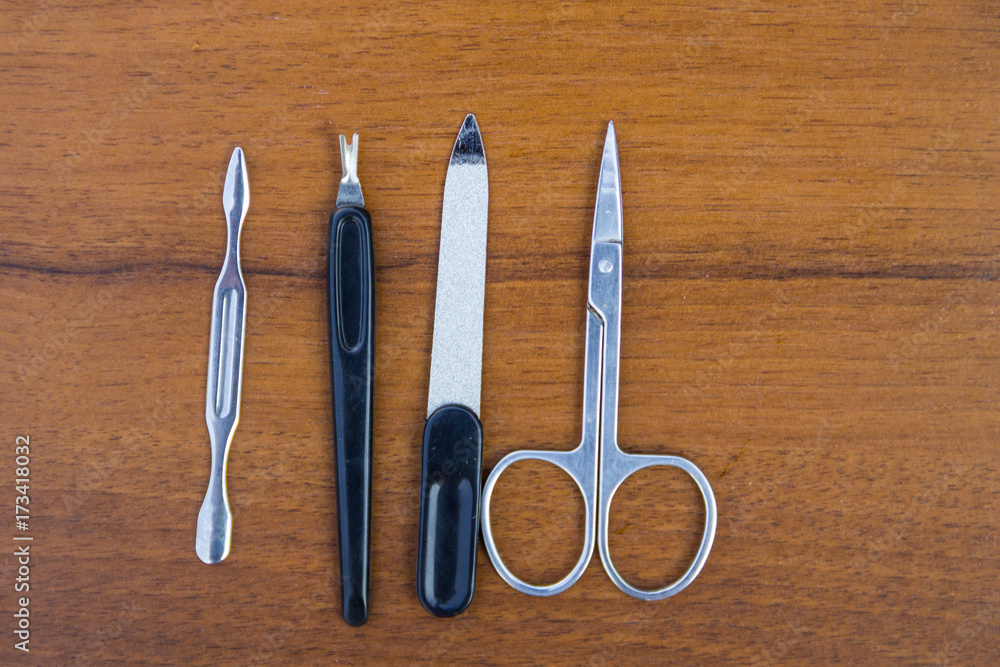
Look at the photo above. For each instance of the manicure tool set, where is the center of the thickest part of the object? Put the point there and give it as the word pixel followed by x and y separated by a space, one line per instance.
pixel 453 499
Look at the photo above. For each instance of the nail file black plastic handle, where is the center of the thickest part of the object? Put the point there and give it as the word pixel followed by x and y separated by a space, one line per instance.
pixel 352 371
pixel 449 510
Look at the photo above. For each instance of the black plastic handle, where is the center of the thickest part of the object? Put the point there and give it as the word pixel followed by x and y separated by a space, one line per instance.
pixel 449 510
pixel 352 372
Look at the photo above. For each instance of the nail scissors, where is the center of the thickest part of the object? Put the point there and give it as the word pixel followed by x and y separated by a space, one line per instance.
pixel 598 465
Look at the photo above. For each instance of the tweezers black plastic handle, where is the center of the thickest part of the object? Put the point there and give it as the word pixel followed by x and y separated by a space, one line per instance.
pixel 352 372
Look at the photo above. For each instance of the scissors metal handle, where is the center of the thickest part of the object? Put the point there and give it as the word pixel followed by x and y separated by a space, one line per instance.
pixel 574 463
pixel 580 464
pixel 616 467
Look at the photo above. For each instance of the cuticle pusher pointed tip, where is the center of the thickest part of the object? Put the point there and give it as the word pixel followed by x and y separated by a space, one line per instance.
pixel 236 192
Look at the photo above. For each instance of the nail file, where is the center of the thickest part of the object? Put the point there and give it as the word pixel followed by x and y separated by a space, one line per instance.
pixel 453 435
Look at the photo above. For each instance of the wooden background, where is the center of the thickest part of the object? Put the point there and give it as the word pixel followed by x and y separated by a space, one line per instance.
pixel 811 238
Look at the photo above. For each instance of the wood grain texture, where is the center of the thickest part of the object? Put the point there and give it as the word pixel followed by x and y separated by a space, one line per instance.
pixel 812 223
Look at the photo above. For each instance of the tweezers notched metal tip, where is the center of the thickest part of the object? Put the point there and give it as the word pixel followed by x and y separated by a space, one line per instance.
pixel 349 193
pixel 608 210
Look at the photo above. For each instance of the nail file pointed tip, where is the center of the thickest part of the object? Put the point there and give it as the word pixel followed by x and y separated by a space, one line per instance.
pixel 469 144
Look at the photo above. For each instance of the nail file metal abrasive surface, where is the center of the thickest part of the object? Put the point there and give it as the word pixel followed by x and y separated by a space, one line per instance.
pixel 453 435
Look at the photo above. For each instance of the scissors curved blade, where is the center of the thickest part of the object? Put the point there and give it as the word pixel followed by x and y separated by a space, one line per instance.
pixel 608 211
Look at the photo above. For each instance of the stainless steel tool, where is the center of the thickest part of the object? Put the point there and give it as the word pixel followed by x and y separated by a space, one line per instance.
pixel 225 368
pixel 598 465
